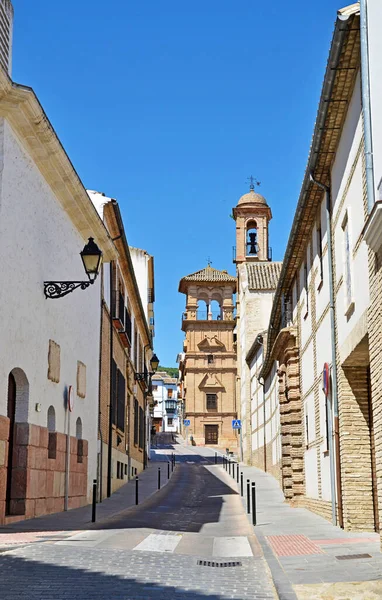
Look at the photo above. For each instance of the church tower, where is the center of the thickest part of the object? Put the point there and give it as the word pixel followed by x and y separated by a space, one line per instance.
pixel 252 215
pixel 209 356
pixel 257 278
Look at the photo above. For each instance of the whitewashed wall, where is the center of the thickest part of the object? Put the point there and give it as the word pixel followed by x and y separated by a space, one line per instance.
pixel 38 242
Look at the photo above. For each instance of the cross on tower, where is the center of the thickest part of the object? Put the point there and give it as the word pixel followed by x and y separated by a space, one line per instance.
pixel 252 182
pixel 209 261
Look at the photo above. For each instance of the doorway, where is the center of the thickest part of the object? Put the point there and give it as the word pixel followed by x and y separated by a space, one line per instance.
pixel 211 434
pixel 11 414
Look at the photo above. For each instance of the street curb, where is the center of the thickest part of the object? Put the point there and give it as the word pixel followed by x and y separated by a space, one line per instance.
pixel 281 583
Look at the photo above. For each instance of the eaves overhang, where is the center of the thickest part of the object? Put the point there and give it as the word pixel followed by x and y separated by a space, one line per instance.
pixel 341 71
pixel 20 106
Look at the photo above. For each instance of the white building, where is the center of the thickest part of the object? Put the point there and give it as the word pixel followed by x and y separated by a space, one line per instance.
pixel 47 346
pixel 165 394
pixel 320 441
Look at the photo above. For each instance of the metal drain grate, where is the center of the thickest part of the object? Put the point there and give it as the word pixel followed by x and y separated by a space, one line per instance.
pixel 210 563
pixel 352 556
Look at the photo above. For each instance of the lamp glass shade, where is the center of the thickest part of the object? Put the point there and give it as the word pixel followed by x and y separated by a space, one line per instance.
pixel 154 362
pixel 91 257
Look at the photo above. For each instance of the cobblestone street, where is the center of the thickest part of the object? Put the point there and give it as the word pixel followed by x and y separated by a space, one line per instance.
pixel 153 551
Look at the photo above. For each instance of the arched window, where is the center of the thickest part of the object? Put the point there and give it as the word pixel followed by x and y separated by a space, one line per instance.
pixel 80 444
pixel 252 247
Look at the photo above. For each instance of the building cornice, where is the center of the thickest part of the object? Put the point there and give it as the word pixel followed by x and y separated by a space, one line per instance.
pixel 22 110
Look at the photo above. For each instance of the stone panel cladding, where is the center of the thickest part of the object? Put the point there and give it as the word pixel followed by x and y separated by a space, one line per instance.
pixel 356 474
pixel 292 452
pixel 375 353
pixel 38 482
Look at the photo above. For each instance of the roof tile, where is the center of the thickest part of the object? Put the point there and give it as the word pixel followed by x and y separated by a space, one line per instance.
pixel 263 275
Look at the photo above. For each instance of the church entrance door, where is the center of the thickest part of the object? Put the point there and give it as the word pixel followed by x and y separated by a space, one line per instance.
pixel 211 434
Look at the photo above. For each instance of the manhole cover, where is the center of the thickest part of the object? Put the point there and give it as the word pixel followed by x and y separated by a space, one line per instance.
pixel 353 556
pixel 210 563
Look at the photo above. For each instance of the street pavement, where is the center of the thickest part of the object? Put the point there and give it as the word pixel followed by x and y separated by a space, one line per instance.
pixel 190 540
pixel 309 557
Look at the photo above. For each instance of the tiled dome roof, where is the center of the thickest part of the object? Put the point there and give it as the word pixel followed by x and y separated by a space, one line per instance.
pixel 252 198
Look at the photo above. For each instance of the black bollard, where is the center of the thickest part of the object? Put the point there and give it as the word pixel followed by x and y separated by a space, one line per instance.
pixel 253 503
pixel 172 464
pixel 216 458
pixel 229 467
pixel 168 470
pixel 241 484
pixel 94 500
pixel 158 478
pixel 233 470
pixel 237 472
pixel 136 489
pixel 248 496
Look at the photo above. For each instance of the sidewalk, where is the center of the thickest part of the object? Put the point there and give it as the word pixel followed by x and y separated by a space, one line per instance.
pixel 309 557
pixel 80 518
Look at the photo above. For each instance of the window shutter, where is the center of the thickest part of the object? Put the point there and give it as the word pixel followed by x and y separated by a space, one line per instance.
pixel 114 392
pixel 121 402
pixel 136 422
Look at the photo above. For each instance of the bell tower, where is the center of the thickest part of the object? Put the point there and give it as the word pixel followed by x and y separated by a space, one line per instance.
pixel 252 215
pixel 210 356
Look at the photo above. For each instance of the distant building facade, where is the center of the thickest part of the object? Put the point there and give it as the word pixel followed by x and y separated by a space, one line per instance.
pixel 208 365
pixel 165 394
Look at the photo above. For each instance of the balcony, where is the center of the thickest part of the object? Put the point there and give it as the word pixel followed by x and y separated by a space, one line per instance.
pixel 170 406
pixel 118 310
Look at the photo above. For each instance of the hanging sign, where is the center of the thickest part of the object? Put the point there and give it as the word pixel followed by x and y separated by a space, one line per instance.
pixel 326 379
pixel 70 398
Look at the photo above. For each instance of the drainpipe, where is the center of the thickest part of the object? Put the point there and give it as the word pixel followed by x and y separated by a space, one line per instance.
pixel 111 399
pixel 335 463
pixel 366 105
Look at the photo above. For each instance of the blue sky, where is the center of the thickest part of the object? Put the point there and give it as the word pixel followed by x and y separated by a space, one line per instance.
pixel 168 106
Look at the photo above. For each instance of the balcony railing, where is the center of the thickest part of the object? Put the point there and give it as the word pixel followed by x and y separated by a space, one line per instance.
pixel 203 315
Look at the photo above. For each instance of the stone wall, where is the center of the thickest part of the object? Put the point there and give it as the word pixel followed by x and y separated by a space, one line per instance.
pixel 38 482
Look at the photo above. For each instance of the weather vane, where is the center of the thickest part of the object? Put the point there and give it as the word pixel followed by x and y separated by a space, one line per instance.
pixel 209 261
pixel 252 182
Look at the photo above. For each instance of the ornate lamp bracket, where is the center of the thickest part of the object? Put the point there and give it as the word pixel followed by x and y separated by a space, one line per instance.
pixel 58 289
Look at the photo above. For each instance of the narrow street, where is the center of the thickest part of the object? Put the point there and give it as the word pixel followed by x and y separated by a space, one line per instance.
pixel 153 551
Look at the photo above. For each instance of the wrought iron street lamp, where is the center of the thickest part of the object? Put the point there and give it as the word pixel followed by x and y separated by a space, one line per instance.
pixel 91 257
pixel 154 363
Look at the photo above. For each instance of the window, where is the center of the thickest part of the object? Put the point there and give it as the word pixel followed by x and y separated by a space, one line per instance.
pixel 125 469
pixel 141 427
pixel 135 346
pixel 169 421
pixel 347 263
pixel 136 422
pixel 128 324
pixel 210 359
pixel 306 287
pixel 121 401
pixel 319 251
pixel 212 402
pixel 155 388
pixel 169 393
